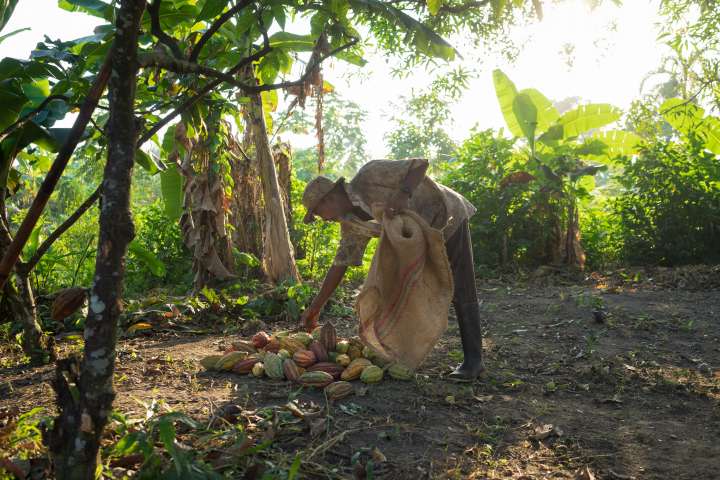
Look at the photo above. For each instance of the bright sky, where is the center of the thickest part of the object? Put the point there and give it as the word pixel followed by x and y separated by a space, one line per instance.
pixel 613 48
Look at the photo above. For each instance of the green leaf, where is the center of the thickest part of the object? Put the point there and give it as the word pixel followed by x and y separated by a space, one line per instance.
pixel 149 162
pixel 294 468
pixel 211 9
pixel 36 91
pixel 6 10
pixel 506 92
pixel 147 258
pixel 619 142
pixel 422 37
pixel 710 132
pixel 547 114
pixel 682 115
pixel 14 32
pixel 434 6
pixel 587 117
pixel 171 186
pixel 526 114
pixel 95 8
pixel 293 41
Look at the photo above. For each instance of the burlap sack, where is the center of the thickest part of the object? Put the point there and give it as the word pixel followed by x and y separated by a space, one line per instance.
pixel 403 306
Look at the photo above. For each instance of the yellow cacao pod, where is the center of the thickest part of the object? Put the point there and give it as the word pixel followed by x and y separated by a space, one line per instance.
pixel 315 379
pixel 303 337
pixel 228 360
pixel 258 370
pixel 67 301
pixel 291 345
pixel 210 361
pixel 355 369
pixel 284 353
pixel 399 371
pixel 343 360
pixel 371 374
pixel 338 390
pixel 244 346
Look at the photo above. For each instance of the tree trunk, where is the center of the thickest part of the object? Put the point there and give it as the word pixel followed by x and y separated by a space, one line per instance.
pixel 246 203
pixel 278 256
pixel 85 390
pixel 574 253
pixel 17 303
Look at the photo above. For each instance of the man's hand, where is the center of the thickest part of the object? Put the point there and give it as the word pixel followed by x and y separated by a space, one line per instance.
pixel 397 203
pixel 309 319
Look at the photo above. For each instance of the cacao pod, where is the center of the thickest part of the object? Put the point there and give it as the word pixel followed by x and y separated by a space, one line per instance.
pixel 319 351
pixel 260 340
pixel 227 361
pixel 371 374
pixel 356 342
pixel 284 353
pixel 332 356
pixel 243 367
pixel 374 356
pixel 304 358
pixel 355 369
pixel 258 369
pixel 209 362
pixel 303 337
pixel 244 346
pixel 332 368
pixel 315 379
pixel 316 333
pixel 328 337
pixel 274 366
pixel 291 345
pixel 273 345
pixel 354 352
pixel 282 333
pixel 292 372
pixel 338 390
pixel 67 302
pixel 343 360
pixel 399 371
pixel 342 346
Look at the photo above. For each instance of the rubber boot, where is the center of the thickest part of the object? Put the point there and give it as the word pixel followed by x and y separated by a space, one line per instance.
pixel 468 316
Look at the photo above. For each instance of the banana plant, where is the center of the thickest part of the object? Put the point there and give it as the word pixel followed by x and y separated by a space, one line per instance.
pixel 559 149
pixel 690 121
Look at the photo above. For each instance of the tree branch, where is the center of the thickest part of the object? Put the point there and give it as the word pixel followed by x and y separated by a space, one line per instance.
pixel 29 116
pixel 156 29
pixel 215 27
pixel 203 91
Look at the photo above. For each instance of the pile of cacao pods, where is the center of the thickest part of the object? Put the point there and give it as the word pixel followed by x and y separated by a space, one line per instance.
pixel 318 360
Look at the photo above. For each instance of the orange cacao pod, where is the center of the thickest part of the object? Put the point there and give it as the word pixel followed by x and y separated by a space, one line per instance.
pixel 292 372
pixel 355 369
pixel 319 351
pixel 260 340
pixel 332 368
pixel 67 302
pixel 304 358
pixel 273 345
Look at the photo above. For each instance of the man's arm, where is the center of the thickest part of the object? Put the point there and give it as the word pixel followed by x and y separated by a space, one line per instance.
pixel 332 279
pixel 413 178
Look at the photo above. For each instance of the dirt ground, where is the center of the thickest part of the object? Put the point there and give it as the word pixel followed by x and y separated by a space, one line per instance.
pixel 632 392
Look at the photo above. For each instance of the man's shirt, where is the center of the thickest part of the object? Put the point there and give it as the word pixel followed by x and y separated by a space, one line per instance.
pixel 374 185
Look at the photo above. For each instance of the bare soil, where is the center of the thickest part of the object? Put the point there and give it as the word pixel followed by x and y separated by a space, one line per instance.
pixel 632 392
